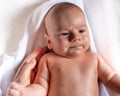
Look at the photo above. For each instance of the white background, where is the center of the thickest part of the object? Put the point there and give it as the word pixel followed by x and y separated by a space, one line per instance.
pixel 13 15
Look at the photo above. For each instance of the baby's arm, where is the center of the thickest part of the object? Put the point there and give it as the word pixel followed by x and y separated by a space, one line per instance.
pixel 108 76
pixel 42 79
pixel 40 85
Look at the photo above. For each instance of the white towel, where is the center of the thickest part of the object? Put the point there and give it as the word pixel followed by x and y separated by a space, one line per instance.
pixel 34 37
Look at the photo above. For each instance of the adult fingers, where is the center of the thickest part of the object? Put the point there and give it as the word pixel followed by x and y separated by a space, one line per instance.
pixel 25 72
pixel 38 52
pixel 24 75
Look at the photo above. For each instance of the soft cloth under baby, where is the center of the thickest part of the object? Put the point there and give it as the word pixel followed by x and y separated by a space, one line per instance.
pixel 34 37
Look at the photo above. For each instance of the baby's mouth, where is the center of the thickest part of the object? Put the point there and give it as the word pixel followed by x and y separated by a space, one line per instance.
pixel 78 47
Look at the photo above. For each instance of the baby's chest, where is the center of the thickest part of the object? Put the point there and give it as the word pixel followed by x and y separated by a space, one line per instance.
pixel 73 69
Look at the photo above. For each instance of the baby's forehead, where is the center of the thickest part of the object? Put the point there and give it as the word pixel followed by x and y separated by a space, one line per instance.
pixel 61 8
pixel 58 11
pixel 64 7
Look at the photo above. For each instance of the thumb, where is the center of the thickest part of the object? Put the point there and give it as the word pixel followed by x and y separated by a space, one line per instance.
pixel 23 75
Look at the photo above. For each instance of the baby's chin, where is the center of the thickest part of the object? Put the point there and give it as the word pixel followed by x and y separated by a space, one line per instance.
pixel 75 54
pixel 72 54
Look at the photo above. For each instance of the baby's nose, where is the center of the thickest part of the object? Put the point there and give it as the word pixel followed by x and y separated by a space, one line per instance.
pixel 75 37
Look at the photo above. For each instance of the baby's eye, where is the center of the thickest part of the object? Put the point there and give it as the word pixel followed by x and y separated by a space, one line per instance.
pixel 81 31
pixel 65 33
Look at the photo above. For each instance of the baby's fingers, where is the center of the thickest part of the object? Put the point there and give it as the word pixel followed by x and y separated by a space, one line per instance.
pixel 13 92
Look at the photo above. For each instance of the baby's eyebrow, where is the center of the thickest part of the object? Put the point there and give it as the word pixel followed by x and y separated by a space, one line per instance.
pixel 63 28
pixel 83 25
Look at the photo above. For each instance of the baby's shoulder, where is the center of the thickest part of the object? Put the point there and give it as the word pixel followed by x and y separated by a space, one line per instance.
pixel 92 58
pixel 45 58
pixel 92 54
pixel 48 56
pixel 96 57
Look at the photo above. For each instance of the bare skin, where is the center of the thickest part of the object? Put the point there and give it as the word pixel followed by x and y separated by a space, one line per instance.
pixel 71 77
pixel 70 69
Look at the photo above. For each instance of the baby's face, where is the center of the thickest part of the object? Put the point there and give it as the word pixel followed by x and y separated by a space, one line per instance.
pixel 68 34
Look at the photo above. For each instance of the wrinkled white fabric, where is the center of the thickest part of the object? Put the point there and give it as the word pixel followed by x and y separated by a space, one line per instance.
pixel 34 37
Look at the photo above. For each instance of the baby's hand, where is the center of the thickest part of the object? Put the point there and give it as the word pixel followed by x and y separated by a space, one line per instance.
pixel 15 89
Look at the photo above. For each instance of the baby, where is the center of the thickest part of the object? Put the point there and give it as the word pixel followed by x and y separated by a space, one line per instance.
pixel 70 68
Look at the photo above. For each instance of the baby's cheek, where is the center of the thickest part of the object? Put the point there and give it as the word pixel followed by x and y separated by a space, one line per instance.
pixel 85 39
pixel 65 49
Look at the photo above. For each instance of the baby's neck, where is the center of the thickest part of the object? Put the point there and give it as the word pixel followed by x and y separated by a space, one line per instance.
pixel 77 57
pixel 74 57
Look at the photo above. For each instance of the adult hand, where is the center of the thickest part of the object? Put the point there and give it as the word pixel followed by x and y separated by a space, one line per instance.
pixel 27 70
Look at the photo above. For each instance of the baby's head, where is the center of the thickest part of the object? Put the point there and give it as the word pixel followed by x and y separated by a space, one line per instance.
pixel 67 32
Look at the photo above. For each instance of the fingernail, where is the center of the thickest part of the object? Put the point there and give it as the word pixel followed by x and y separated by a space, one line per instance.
pixel 33 61
pixel 28 61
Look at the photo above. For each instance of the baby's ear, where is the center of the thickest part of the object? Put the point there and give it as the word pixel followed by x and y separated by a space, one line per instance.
pixel 48 41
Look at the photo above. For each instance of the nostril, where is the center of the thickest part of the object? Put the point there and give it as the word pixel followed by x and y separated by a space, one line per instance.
pixel 76 38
